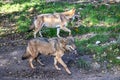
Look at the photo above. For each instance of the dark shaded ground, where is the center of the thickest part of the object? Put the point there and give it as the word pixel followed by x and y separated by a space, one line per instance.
pixel 13 68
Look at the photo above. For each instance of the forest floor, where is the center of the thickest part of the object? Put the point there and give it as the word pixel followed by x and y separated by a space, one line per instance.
pixel 13 68
pixel 13 45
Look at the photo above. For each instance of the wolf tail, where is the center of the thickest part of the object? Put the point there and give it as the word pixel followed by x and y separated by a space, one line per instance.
pixel 25 56
pixel 32 26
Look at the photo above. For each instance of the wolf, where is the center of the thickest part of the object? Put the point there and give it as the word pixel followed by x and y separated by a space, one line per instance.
pixel 56 20
pixel 54 46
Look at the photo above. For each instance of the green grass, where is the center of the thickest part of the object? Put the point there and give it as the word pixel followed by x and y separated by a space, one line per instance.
pixel 83 64
pixel 90 15
pixel 101 20
pixel 106 51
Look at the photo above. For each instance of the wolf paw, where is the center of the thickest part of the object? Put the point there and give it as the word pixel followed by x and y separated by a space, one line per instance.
pixel 33 67
pixel 43 65
pixel 69 73
pixel 59 69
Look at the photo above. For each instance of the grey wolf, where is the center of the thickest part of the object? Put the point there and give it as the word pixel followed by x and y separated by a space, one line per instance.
pixel 56 20
pixel 53 46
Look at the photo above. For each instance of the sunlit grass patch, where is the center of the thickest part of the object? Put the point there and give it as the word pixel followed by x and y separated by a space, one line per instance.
pixel 9 8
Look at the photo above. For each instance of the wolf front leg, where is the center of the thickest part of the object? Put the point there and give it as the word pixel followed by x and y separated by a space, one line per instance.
pixel 58 32
pixel 66 29
pixel 40 34
pixel 37 60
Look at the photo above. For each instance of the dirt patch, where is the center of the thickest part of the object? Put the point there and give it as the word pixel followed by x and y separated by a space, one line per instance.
pixel 13 68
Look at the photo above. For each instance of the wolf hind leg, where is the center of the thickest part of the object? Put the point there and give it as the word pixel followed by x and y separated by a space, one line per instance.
pixel 30 62
pixel 36 31
pixel 38 26
pixel 64 65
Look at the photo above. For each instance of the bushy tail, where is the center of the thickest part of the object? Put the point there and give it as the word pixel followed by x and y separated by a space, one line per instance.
pixel 25 56
pixel 31 28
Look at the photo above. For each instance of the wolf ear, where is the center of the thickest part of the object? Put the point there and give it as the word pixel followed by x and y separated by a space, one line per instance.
pixel 63 40
pixel 73 9
pixel 70 38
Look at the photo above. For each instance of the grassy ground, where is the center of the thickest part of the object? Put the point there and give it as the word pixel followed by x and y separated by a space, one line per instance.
pixel 101 20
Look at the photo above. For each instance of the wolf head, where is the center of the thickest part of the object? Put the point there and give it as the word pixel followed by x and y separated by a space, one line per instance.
pixel 68 43
pixel 70 14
